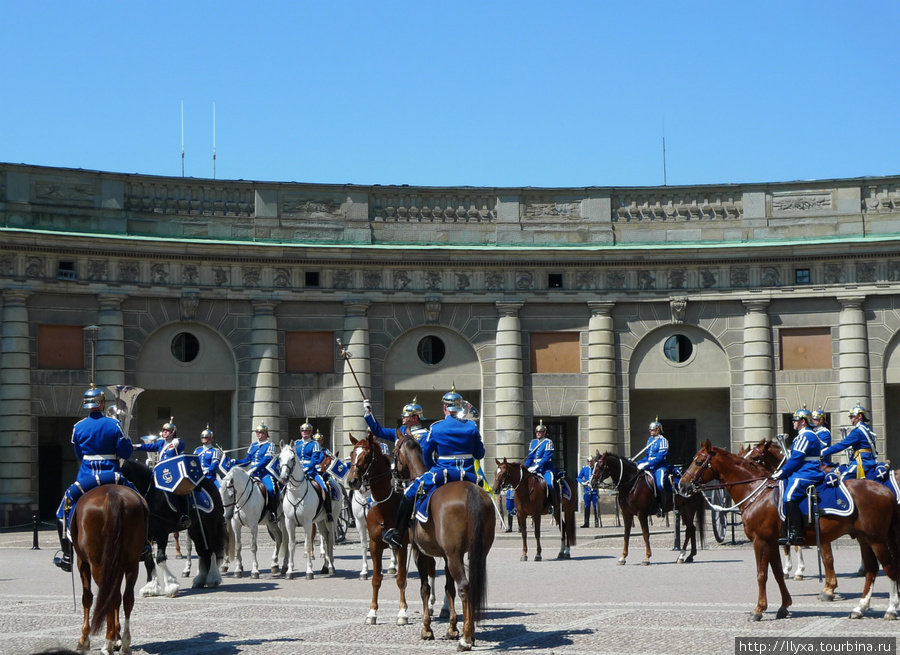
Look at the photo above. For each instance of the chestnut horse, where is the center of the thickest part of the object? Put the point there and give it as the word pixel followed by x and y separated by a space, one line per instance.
pixel 461 523
pixel 875 523
pixel 109 529
pixel 370 467
pixel 530 498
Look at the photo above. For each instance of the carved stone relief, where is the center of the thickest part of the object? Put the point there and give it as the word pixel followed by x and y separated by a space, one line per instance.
pixel 98 270
pixel 835 274
pixel 372 280
pixel 432 310
pixel 7 265
pixel 433 280
pixel 251 276
pixel 615 280
pixel 865 272
pixel 794 202
pixel 158 273
pixel 894 271
pixel 190 274
pixel 771 277
pixel 543 208
pixel 493 281
pixel 678 306
pixel 462 281
pixel 677 278
pixel 343 279
pixel 220 276
pixel 402 280
pixel 63 192
pixel 585 280
pixel 188 305
pixel 282 278
pixel 524 280
pixel 709 278
pixel 129 271
pixel 646 280
pixel 740 278
pixel 34 267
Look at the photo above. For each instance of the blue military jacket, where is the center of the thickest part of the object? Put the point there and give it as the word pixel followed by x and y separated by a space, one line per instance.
pixel 166 449
pixel 258 457
pixel 99 442
pixel 540 454
pixel 310 454
pixel 452 443
pixel 210 457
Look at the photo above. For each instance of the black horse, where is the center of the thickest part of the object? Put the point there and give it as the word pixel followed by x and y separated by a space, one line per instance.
pixel 207 531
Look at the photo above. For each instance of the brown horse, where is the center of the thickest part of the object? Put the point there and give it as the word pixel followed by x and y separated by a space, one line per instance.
pixel 371 468
pixel 461 523
pixel 875 522
pixel 109 529
pixel 531 500
pixel 637 497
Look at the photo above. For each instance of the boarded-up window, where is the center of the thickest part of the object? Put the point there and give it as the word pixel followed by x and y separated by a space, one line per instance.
pixel 555 352
pixel 309 352
pixel 61 346
pixel 805 348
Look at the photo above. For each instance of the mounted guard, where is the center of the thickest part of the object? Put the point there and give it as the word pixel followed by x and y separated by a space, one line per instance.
pixel 310 454
pixel 211 456
pixel 540 460
pixel 654 462
pixel 411 416
pixel 861 444
pixel 170 446
pixel 260 456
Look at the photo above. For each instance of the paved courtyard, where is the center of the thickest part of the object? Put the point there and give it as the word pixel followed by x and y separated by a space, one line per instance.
pixel 585 605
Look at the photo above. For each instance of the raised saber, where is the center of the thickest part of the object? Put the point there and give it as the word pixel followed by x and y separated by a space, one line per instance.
pixel 346 355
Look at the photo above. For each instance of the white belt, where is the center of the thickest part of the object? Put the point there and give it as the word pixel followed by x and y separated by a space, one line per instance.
pixel 98 458
pixel 812 459
pixel 460 456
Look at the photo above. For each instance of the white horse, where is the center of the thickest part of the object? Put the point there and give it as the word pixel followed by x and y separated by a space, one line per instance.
pixel 303 507
pixel 244 500
pixel 359 508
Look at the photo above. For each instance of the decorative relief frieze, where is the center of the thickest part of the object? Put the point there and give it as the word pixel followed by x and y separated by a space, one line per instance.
pixel 63 192
pixel 794 202
pixel 835 274
pixel 524 280
pixel 615 280
pixel 158 273
pixel 343 279
pixel 433 280
pixel 432 208
pixel 545 208
pixel 770 277
pixel 885 198
pixel 402 280
pixel 314 208
pixel 709 279
pixel 493 281
pixel 432 310
pixel 282 278
pixel 129 271
pixel 678 307
pixel 251 276
pixel 462 281
pixel 8 265
pixel 372 280
pixel 221 276
pixel 865 272
pixel 894 271
pixel 646 280
pixel 190 274
pixel 585 280
pixel 188 305
pixel 98 270
pixel 686 205
pixel 34 267
pixel 189 199
pixel 677 278
pixel 740 278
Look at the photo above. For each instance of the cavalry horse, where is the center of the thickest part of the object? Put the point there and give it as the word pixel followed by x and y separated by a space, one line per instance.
pixel 207 531
pixel 531 498
pixel 875 523
pixel 371 468
pixel 244 498
pixel 108 534
pixel 303 506
pixel 461 523
pixel 636 497
pixel 359 509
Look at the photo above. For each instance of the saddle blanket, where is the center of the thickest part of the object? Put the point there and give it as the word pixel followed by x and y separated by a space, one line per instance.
pixel 887 478
pixel 833 498
pixel 197 499
pixel 178 475
pixel 338 469
pixel 422 506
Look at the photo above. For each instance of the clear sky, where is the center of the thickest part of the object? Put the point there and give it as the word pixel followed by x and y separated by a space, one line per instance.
pixel 455 92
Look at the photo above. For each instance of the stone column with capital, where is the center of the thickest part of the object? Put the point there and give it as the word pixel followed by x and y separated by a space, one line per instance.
pixel 759 393
pixel 110 343
pixel 509 405
pixel 355 341
pixel 853 359
pixel 16 452
pixel 264 375
pixel 603 420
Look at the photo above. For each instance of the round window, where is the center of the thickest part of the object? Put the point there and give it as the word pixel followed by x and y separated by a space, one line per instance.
pixel 185 347
pixel 431 350
pixel 678 348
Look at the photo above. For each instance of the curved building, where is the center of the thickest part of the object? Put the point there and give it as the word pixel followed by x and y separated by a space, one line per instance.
pixel 718 309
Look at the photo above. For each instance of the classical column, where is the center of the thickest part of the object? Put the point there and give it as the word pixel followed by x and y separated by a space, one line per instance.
pixel 264 380
pixel 510 409
pixel 759 406
pixel 15 404
pixel 853 358
pixel 355 341
pixel 110 343
pixel 603 419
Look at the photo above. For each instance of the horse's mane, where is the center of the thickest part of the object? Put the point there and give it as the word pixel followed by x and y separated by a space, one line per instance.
pixel 745 464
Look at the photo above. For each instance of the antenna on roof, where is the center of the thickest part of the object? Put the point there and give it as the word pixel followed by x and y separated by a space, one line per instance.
pixel 182 138
pixel 664 152
pixel 214 139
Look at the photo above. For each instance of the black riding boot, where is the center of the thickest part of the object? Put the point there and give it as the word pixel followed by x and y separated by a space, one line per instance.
pixel 587 517
pixel 328 515
pixel 783 539
pixel 660 502
pixel 393 537
pixel 795 520
pixel 184 519
pixel 64 560
pixel 272 506
pixel 596 517
pixel 509 523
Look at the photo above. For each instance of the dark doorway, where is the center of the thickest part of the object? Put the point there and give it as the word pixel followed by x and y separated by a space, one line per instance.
pixel 564 435
pixel 682 437
pixel 57 466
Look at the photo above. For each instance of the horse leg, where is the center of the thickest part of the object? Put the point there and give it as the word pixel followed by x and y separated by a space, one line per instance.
pixel 189 554
pixel 831 581
pixel 870 564
pixel 523 530
pixel 537 541
pixel 375 550
pixel 309 545
pixel 238 548
pixel 645 532
pixel 801 565
pixel 112 624
pixel 450 602
pixel 363 539
pixel 254 534
pixel 426 575
pixel 627 521
pixel 402 572
pixel 290 526
pixel 690 534
pixel 392 568
pixel 176 537
pixel 87 599
pixel 455 568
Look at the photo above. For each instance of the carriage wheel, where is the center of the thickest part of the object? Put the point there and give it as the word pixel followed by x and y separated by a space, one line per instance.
pixel 342 523
pixel 719 522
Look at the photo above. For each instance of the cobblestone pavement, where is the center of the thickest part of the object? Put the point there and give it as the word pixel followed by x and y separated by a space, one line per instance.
pixel 584 605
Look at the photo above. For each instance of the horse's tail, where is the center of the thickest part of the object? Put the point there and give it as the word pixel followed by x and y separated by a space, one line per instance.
pixel 567 515
pixel 700 519
pixel 477 553
pixel 894 540
pixel 112 562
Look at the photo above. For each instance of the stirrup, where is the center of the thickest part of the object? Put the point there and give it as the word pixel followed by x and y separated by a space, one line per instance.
pixel 184 522
pixel 63 561
pixel 392 537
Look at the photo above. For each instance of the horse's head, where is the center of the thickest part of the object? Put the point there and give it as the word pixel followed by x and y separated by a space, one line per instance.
pixel 603 465
pixel 700 470
pixel 287 461
pixel 407 456
pixel 508 474
pixel 363 455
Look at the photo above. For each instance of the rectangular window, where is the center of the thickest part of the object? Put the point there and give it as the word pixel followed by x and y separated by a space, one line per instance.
pixel 801 276
pixel 311 279
pixel 805 348
pixel 555 281
pixel 61 347
pixel 309 352
pixel 555 352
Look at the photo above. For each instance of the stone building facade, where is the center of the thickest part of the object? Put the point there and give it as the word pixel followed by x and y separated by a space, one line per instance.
pixel 718 309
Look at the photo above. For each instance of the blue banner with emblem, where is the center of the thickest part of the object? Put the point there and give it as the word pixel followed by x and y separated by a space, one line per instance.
pixel 338 469
pixel 178 475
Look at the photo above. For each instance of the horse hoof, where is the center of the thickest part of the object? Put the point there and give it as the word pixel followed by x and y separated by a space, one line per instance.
pixel 524 558
pixel 463 647
pixel 856 614
pixel 310 576
pixel 646 562
pixel 402 620
pixel 275 570
pixel 371 620
pixel 890 616
pixel 755 617
pixel 680 560
pixel 363 576
pixel 427 635
pixel 782 613
pixel 620 562
pixel 255 575
pixel 392 571
pixel 537 558
pixel 798 577
pixel 826 597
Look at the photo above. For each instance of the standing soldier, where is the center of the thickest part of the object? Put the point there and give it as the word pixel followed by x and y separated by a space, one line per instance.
pixel 861 442
pixel 99 442
pixel 510 495
pixel 167 447
pixel 654 462
pixel 590 495
pixel 259 455
pixel 210 455
pixel 540 460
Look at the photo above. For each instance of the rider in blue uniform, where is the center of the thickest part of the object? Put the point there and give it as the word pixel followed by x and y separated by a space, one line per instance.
pixel 590 496
pixel 167 447
pixel 540 460
pixel 823 434
pixel 99 442
pixel 310 454
pixel 861 442
pixel 210 456
pixel 801 469
pixel 412 422
pixel 259 455
pixel 654 462
pixel 451 448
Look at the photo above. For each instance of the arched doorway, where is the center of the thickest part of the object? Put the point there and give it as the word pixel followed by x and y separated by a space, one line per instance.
pixel 424 363
pixel 188 371
pixel 891 399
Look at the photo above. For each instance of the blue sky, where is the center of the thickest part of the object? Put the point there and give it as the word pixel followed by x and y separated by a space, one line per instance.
pixel 455 93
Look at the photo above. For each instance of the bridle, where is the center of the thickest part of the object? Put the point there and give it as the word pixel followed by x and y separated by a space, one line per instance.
pixel 366 477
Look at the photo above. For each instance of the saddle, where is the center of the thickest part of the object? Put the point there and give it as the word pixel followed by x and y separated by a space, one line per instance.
pixel 199 499
pixel 832 495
